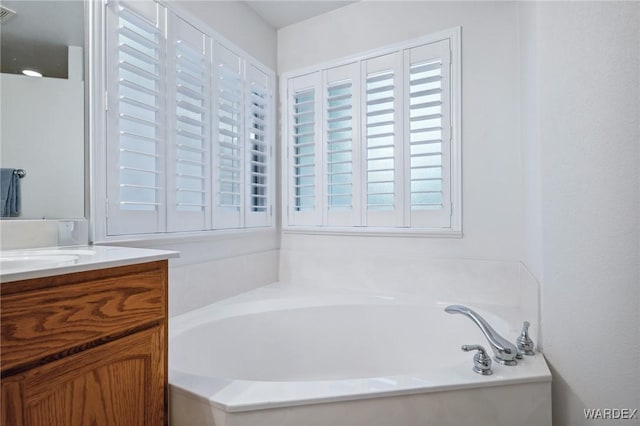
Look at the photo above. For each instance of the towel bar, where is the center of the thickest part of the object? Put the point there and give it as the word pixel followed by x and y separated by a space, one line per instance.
pixel 20 172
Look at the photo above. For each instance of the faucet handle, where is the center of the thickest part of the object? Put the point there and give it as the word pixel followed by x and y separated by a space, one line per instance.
pixel 524 342
pixel 481 361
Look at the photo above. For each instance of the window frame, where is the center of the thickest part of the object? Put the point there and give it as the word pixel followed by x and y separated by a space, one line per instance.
pixel 453 35
pixel 98 103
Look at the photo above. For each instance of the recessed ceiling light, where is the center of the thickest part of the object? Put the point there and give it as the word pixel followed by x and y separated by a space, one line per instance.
pixel 31 73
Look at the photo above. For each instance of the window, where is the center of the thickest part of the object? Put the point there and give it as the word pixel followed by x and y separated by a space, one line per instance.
pixel 190 126
pixel 372 144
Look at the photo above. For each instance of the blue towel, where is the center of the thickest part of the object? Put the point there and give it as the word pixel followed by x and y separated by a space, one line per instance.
pixel 9 193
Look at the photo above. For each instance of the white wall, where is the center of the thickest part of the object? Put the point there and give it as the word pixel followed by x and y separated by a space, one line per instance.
pixel 530 136
pixel 239 24
pixel 214 268
pixel 211 269
pixel 492 183
pixel 584 65
pixel 42 132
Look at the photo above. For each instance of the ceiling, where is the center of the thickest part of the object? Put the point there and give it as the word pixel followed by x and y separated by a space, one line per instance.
pixel 282 13
pixel 37 36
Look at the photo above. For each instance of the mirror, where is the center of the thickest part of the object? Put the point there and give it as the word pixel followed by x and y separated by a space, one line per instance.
pixel 42 119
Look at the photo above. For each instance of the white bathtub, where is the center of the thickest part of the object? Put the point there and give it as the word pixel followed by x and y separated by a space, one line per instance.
pixel 281 355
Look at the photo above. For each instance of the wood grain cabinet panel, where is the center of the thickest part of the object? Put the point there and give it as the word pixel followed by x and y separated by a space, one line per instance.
pixel 91 353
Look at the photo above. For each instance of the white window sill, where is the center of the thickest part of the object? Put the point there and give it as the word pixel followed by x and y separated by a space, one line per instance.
pixel 185 237
pixel 374 232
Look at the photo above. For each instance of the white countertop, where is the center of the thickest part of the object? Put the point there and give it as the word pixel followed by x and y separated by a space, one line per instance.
pixel 43 262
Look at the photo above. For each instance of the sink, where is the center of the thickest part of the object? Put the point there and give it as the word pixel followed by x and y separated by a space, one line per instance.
pixel 24 260
pixel 12 262
pixel 35 263
pixel 50 252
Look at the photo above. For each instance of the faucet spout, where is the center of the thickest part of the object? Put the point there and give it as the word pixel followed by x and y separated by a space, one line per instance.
pixel 504 351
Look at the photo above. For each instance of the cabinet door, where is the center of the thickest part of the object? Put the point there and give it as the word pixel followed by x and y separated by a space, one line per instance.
pixel 11 408
pixel 117 383
pixel 85 307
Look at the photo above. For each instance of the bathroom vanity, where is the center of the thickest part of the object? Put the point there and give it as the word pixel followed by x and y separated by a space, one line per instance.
pixel 85 342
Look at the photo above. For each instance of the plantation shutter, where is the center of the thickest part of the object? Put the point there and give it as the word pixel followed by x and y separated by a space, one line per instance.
pixel 189 165
pixel 305 150
pixel 342 153
pixel 228 147
pixel 258 147
pixel 428 132
pixel 136 133
pixel 382 128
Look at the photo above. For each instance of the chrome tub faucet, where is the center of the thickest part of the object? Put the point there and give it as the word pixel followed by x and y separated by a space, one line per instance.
pixel 481 361
pixel 524 342
pixel 504 351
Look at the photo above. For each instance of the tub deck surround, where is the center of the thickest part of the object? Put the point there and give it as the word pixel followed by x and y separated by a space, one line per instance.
pixel 471 282
pixel 283 346
pixel 52 261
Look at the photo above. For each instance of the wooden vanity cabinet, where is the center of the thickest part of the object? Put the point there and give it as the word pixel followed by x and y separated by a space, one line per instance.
pixel 86 348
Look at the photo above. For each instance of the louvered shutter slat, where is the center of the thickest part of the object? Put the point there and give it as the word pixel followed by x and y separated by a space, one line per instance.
pixel 138 73
pixel 190 158
pixel 229 154
pixel 425 92
pixel 135 124
pixel 258 147
pixel 380 188
pixel 304 171
pixel 304 135
pixel 341 131
pixel 428 125
pixel 383 153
